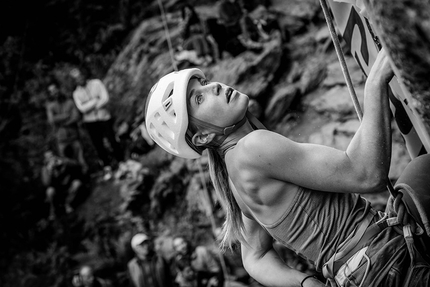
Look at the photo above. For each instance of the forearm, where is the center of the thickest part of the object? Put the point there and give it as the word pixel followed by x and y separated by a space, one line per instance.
pixel 58 119
pixel 87 106
pixel 370 147
pixel 270 270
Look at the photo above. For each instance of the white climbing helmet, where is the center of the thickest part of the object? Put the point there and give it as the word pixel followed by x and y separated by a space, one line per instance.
pixel 167 115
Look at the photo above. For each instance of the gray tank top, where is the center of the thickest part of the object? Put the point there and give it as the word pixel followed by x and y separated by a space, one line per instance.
pixel 316 223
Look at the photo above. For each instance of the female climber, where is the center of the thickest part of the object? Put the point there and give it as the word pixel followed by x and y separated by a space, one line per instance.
pixel 305 196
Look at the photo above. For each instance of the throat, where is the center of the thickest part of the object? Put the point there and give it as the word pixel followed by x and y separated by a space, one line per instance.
pixel 231 140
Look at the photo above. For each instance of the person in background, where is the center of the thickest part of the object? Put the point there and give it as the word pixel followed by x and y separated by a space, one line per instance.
pixel 202 262
pixel 147 268
pixel 194 37
pixel 91 98
pixel 64 118
pixel 239 25
pixel 86 278
pixel 63 179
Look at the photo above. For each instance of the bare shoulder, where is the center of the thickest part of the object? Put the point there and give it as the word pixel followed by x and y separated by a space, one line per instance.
pixel 257 139
pixel 260 144
pixel 255 149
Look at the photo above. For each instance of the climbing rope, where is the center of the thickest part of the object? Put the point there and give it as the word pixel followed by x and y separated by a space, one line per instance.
pixel 166 31
pixel 341 57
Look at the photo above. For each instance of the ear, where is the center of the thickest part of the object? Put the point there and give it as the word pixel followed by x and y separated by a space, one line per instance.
pixel 201 139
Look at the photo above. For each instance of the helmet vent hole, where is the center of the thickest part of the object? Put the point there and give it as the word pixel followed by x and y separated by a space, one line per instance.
pixel 167 104
pixel 168 131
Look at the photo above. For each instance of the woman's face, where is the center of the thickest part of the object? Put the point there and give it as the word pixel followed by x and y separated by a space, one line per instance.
pixel 215 103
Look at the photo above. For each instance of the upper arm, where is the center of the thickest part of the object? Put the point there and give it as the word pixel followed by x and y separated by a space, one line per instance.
pixel 308 165
pixel 49 114
pixel 258 241
pixel 103 93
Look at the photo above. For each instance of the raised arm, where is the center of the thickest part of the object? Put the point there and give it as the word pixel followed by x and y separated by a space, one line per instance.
pixel 263 263
pixel 362 167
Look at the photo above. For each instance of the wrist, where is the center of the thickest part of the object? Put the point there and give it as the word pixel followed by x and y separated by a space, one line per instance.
pixel 306 281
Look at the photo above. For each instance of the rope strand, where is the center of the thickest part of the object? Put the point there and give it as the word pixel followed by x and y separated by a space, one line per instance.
pixel 346 74
pixel 166 30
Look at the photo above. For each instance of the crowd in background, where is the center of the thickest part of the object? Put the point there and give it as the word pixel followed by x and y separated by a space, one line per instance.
pixel 67 174
pixel 237 27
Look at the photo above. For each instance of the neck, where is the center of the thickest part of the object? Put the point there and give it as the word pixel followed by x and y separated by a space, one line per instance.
pixel 231 140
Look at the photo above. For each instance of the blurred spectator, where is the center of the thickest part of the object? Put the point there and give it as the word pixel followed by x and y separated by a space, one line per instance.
pixel 241 31
pixel 63 179
pixel 147 268
pixel 195 38
pixel 202 262
pixel 86 278
pixel 188 276
pixel 64 118
pixel 91 98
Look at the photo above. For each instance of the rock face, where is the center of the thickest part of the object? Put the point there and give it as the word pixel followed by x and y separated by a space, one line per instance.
pixel 404 29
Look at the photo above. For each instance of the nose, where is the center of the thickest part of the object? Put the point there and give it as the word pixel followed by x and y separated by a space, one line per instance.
pixel 216 89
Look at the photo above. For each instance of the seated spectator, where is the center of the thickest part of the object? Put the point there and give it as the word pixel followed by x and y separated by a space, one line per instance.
pixel 195 39
pixel 63 178
pixel 147 268
pixel 267 22
pixel 86 278
pixel 202 261
pixel 241 31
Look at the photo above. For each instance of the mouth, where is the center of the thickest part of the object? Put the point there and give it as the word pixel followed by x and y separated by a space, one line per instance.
pixel 229 94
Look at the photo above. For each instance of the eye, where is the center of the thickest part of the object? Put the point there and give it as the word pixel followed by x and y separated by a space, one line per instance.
pixel 203 82
pixel 199 99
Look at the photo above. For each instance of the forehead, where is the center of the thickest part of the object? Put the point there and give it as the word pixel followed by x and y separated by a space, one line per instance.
pixel 75 73
pixel 52 87
pixel 193 84
pixel 178 241
pixel 85 271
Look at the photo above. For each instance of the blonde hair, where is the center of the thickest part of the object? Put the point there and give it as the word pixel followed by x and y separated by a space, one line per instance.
pixel 233 228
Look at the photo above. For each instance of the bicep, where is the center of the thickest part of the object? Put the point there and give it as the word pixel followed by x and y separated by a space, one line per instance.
pixel 258 241
pixel 308 165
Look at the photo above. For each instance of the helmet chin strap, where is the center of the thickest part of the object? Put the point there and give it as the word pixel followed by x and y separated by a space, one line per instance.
pixel 223 132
